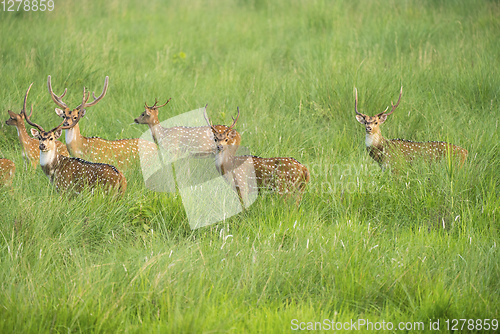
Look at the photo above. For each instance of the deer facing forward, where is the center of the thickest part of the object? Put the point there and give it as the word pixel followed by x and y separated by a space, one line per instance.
pixel 73 174
pixel 29 145
pixel 286 176
pixel 386 151
pixel 121 153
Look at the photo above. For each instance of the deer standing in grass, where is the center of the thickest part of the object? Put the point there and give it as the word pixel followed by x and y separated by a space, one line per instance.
pixel 196 141
pixel 286 176
pixel 73 174
pixel 387 151
pixel 121 153
pixel 31 152
pixel 7 170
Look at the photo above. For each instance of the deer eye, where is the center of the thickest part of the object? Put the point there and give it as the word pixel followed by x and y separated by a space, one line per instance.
pixel 51 138
pixel 376 123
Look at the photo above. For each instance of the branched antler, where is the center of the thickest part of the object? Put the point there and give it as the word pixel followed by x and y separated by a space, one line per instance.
pixel 396 105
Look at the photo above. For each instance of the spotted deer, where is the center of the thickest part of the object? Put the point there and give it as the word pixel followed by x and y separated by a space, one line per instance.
pixel 7 170
pixel 195 141
pixel 74 174
pixel 29 145
pixel 387 152
pixel 121 153
pixel 286 176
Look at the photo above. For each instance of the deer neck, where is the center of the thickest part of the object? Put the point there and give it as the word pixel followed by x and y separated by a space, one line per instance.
pixel 49 161
pixel 156 130
pixel 224 160
pixel 374 140
pixel 375 144
pixel 74 141
pixel 23 136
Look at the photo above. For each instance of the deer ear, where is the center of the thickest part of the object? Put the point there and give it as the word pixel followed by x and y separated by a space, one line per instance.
pixel 60 112
pixel 232 134
pixel 382 118
pixel 58 133
pixel 11 113
pixel 360 119
pixel 34 133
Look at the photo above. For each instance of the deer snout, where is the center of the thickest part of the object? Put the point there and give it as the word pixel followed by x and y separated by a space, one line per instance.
pixel 42 147
pixel 136 120
pixel 368 128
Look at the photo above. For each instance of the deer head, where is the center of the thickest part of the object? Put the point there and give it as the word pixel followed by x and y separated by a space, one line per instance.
pixel 47 139
pixel 225 136
pixel 372 123
pixel 150 114
pixel 14 119
pixel 71 116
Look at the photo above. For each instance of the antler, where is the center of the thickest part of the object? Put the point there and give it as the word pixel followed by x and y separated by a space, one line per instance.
pixel 154 106
pixel 235 120
pixel 25 99
pixel 210 123
pixel 34 124
pixel 396 105
pixel 55 98
pixel 206 117
pixel 60 126
pixel 96 99
pixel 31 113
pixel 80 113
pixel 28 117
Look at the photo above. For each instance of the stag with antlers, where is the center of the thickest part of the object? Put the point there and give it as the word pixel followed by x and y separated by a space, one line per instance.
pixel 121 153
pixel 178 140
pixel 286 176
pixel 29 145
pixel 73 174
pixel 387 151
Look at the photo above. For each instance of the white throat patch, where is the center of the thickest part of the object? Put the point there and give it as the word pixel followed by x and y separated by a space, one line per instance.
pixel 70 135
pixel 47 157
pixel 371 139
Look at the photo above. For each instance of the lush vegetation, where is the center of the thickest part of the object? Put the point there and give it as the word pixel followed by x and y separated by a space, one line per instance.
pixel 364 244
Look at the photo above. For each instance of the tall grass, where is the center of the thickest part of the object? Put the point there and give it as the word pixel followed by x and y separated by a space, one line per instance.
pixel 419 245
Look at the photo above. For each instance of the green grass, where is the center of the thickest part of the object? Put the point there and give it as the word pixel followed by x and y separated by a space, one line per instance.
pixel 363 244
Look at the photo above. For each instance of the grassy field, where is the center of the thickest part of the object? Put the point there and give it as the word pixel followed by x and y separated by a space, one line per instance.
pixel 415 247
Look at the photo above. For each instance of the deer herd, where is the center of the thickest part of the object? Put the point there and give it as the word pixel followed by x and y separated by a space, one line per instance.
pixel 88 162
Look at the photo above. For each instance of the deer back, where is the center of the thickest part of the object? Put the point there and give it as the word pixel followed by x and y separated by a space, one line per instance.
pixel 122 152
pixel 280 174
pixel 7 170
pixel 430 151
pixel 179 140
pixel 75 174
